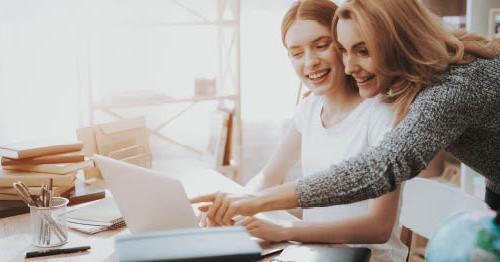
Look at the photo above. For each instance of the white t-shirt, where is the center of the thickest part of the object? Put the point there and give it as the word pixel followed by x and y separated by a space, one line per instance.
pixel 321 147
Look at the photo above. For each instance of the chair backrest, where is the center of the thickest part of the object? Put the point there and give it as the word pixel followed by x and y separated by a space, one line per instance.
pixel 428 203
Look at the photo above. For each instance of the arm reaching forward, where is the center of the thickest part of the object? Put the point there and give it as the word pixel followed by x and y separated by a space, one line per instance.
pixel 441 117
pixel 438 118
pixel 223 207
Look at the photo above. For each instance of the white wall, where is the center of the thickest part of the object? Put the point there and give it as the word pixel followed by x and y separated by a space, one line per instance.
pixel 478 13
pixel 38 73
pixel 268 82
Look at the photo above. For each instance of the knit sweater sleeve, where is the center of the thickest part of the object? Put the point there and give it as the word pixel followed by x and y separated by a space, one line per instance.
pixel 437 117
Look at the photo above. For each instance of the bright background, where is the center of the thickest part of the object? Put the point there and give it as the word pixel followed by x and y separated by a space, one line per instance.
pixel 53 51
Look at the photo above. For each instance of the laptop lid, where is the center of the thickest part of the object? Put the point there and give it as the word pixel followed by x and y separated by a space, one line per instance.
pixel 148 200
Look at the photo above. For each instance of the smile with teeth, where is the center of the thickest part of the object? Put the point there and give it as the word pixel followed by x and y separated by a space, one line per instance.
pixel 318 74
pixel 365 79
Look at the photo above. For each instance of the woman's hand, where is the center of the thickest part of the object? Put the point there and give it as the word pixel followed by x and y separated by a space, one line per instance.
pixel 204 221
pixel 225 206
pixel 264 229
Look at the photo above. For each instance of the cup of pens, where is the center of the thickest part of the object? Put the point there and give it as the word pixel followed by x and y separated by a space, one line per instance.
pixel 48 216
pixel 48 223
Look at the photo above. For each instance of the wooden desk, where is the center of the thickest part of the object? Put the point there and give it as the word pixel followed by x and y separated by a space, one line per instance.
pixel 15 232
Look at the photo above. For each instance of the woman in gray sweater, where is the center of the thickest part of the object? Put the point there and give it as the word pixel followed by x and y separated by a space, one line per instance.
pixel 445 88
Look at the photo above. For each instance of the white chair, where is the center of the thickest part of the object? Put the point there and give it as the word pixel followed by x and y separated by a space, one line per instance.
pixel 428 203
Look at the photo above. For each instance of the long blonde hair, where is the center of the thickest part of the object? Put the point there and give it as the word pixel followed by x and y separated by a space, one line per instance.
pixel 321 11
pixel 409 44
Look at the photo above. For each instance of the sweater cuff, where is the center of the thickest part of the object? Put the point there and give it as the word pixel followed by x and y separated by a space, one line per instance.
pixel 495 187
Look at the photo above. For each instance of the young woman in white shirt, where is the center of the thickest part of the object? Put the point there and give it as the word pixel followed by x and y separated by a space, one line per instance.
pixel 331 125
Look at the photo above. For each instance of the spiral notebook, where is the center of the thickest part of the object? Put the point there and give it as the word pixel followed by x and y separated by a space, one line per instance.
pixel 95 217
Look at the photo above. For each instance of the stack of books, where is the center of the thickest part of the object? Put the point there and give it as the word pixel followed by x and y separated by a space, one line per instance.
pixel 36 162
pixel 84 192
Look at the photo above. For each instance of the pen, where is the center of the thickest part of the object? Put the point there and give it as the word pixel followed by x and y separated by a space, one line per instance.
pixel 30 200
pixel 50 252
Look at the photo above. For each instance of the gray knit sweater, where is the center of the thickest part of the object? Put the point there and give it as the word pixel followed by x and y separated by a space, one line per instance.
pixel 459 113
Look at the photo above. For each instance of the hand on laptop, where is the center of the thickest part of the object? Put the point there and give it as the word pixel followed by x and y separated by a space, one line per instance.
pixel 225 206
pixel 264 229
pixel 204 221
pixel 257 227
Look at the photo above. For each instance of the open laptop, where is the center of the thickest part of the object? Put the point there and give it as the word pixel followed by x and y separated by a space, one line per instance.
pixel 148 200
pixel 152 201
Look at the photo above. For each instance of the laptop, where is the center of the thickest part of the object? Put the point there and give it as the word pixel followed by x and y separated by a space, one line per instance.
pixel 148 200
pixel 152 201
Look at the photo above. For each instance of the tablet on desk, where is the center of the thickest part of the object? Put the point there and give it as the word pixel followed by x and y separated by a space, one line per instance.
pixel 319 253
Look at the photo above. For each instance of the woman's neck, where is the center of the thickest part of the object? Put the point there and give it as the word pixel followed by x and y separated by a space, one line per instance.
pixel 338 105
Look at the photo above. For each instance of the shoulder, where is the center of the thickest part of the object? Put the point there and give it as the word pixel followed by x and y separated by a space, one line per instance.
pixel 379 111
pixel 312 100
pixel 481 75
pixel 305 111
pixel 309 103
pixel 379 118
pixel 466 85
pixel 375 103
pixel 485 65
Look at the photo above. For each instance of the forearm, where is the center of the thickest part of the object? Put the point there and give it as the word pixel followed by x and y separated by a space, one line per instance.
pixel 262 181
pixel 278 198
pixel 277 167
pixel 357 230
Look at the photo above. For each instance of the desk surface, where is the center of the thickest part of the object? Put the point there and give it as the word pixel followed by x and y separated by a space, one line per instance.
pixel 15 232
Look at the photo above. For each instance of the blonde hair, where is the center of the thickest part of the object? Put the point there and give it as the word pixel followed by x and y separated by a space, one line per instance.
pixel 409 44
pixel 321 11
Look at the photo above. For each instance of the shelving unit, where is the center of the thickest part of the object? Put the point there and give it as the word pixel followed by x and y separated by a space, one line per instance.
pixel 226 22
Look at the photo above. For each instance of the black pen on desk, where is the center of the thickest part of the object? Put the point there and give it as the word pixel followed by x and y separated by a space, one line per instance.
pixel 50 252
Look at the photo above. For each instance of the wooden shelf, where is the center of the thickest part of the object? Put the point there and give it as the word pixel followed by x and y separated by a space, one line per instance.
pixel 159 101
pixel 227 34
pixel 201 23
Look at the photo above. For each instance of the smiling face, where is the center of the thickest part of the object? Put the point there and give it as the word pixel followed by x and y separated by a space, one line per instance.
pixel 357 60
pixel 310 50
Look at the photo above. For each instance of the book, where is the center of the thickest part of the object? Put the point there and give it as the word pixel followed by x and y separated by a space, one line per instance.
pixel 11 193
pixel 190 244
pixel 319 253
pixel 61 168
pixel 70 157
pixel 31 179
pixel 83 193
pixel 34 148
pixel 10 208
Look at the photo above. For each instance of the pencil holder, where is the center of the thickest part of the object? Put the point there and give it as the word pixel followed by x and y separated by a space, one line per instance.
pixel 49 223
